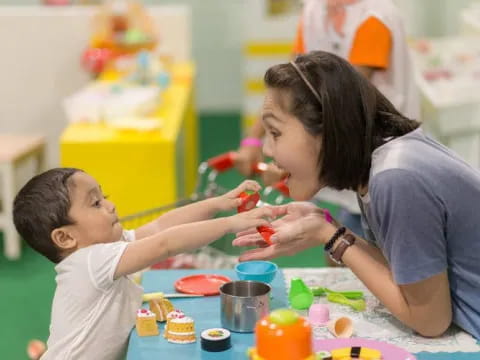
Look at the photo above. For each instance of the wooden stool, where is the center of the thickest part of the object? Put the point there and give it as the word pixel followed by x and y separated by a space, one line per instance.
pixel 13 150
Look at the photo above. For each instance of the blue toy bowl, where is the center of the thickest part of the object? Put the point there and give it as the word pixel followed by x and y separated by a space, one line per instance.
pixel 256 270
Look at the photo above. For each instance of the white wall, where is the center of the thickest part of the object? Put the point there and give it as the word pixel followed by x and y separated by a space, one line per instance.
pixel 432 17
pixel 40 63
pixel 217 50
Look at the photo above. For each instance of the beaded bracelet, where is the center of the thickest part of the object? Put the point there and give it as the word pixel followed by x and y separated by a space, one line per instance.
pixel 340 231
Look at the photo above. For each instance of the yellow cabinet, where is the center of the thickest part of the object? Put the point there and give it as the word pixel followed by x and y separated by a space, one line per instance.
pixel 141 170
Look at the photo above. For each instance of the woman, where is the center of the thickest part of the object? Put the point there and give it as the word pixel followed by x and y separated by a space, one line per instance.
pixel 328 126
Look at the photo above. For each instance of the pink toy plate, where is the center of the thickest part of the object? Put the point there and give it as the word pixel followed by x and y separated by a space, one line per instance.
pixel 389 351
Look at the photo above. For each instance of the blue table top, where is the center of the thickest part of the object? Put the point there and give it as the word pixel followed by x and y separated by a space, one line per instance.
pixel 206 313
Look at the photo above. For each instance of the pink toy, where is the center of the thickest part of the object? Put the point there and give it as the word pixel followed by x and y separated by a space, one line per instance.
pixel 319 314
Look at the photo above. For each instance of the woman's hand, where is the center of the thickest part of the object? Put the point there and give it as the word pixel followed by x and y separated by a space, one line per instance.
pixel 230 200
pixel 302 226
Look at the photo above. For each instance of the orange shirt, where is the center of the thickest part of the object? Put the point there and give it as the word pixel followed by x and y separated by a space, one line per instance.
pixel 371 46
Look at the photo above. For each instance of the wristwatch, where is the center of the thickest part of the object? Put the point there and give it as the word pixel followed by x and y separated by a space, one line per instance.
pixel 345 241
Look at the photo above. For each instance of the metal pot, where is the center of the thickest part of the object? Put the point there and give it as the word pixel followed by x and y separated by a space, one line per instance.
pixel 243 303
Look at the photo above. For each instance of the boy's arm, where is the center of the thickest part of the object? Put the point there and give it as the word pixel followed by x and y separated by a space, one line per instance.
pixel 147 251
pixel 199 211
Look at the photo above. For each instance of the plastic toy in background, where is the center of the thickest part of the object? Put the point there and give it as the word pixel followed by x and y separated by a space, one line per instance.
pixel 215 340
pixel 148 70
pixel 226 161
pixel 114 104
pixel 300 296
pixel 258 270
pixel 282 335
pixel 437 74
pixel 322 291
pixel 121 27
pixel 341 327
pixel 358 304
pixel 319 315
pixel 146 323
pixel 161 308
pixel 94 60
pixel 222 162
pixel 281 187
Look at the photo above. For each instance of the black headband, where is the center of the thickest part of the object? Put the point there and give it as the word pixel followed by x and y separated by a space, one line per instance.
pixel 305 80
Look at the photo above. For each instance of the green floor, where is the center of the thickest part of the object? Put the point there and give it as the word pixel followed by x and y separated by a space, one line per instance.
pixel 27 285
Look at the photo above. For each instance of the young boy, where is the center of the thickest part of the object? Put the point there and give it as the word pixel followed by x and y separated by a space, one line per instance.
pixel 64 215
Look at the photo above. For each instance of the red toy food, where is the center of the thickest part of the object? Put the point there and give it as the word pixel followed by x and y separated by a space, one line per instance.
pixel 249 200
pixel 266 232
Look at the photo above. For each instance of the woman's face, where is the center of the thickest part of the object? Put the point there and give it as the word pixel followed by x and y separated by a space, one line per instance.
pixel 293 149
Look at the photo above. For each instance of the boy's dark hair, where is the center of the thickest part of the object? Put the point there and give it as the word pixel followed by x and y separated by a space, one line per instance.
pixel 42 206
pixel 352 117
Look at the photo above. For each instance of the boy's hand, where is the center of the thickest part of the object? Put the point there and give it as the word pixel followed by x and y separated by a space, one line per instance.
pixel 230 200
pixel 250 219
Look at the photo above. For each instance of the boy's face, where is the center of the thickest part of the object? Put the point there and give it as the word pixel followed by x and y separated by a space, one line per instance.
pixel 95 218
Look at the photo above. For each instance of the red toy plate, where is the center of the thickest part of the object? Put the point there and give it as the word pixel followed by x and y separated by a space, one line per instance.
pixel 201 284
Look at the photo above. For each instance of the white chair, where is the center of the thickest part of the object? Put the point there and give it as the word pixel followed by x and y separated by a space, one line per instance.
pixel 14 149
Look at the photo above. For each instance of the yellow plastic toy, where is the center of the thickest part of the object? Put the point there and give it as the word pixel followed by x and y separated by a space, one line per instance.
pixel 146 323
pixel 355 353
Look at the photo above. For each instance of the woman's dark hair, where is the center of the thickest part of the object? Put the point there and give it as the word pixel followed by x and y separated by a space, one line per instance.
pixel 42 206
pixel 352 117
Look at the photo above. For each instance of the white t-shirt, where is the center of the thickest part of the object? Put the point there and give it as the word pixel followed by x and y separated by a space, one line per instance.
pixel 93 314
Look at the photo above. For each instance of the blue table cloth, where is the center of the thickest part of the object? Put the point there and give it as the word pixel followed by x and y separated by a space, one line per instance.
pixel 206 313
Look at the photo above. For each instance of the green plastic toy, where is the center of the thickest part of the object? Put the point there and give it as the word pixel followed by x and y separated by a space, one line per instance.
pixel 322 291
pixel 338 298
pixel 300 295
